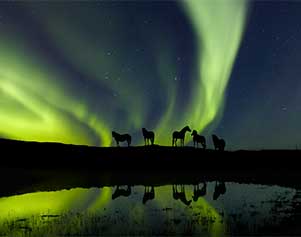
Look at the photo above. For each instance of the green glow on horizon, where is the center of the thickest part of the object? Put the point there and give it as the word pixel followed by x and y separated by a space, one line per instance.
pixel 219 27
pixel 36 105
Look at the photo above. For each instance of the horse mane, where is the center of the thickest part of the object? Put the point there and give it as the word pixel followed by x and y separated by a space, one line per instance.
pixel 215 138
pixel 114 133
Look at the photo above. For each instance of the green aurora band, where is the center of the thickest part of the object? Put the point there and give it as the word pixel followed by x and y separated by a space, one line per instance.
pixel 38 103
pixel 219 27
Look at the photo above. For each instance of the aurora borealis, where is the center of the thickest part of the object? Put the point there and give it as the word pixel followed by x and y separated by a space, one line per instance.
pixel 72 72
pixel 211 20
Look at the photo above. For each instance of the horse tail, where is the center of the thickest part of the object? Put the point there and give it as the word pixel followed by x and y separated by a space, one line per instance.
pixel 152 138
pixel 215 140
pixel 222 144
pixel 204 145
pixel 143 132
pixel 129 140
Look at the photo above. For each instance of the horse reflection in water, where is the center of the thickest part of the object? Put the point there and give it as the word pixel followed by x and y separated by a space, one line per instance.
pixel 219 189
pixel 149 194
pixel 197 192
pixel 121 192
pixel 180 194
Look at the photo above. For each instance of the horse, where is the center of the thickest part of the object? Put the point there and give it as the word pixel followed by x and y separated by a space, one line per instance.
pixel 149 194
pixel 179 135
pixel 180 194
pixel 121 138
pixel 121 192
pixel 197 192
pixel 149 136
pixel 219 189
pixel 198 139
pixel 219 144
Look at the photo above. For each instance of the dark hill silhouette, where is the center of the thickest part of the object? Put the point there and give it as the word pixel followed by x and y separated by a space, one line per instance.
pixel 43 155
pixel 23 163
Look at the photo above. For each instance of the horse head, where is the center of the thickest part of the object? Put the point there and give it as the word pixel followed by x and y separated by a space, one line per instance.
pixel 114 134
pixel 194 132
pixel 215 139
pixel 187 128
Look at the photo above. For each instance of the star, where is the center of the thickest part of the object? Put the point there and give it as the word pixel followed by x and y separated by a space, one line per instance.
pixel 284 108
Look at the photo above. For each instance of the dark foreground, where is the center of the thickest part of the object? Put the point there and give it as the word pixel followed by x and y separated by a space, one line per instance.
pixel 54 166
pixel 154 158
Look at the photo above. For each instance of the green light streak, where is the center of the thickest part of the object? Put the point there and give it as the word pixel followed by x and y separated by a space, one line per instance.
pixel 89 55
pixel 219 27
pixel 39 102
pixel 37 105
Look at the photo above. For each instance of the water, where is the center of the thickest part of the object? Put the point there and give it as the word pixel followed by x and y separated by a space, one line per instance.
pixel 222 209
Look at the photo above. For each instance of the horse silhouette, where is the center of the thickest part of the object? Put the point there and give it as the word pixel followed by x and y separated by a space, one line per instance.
pixel 219 189
pixel 180 195
pixel 121 192
pixel 149 136
pixel 122 138
pixel 149 194
pixel 197 192
pixel 198 139
pixel 219 144
pixel 179 135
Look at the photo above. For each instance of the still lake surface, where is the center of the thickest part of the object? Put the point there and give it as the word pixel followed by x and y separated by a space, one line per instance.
pixel 209 209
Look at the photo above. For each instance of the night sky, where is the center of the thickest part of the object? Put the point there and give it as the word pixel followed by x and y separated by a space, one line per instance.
pixel 73 72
